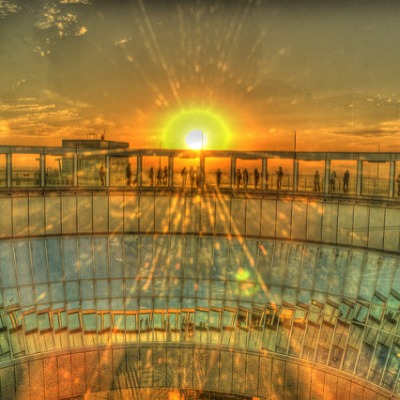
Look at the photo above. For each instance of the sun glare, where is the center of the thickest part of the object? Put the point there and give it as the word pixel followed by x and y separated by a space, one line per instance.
pixel 196 139
pixel 196 129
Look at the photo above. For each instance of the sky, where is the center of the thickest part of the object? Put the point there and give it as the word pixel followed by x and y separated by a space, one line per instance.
pixel 255 74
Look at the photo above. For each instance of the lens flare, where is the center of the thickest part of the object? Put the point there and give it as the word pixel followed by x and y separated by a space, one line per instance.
pixel 196 139
pixel 196 129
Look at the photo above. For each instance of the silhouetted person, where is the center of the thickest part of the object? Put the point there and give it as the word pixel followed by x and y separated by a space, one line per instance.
pixel 151 176
pixel 332 182
pixel 184 174
pixel 279 176
pixel 346 179
pixel 192 176
pixel 159 176
pixel 316 181
pixel 245 177
pixel 398 185
pixel 218 173
pixel 165 176
pixel 128 173
pixel 102 175
pixel 256 178
pixel 238 178
pixel 198 177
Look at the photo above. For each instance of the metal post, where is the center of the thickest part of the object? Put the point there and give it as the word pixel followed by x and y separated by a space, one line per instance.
pixel 202 169
pixel 171 170
pixel 327 175
pixel 233 171
pixel 359 177
pixel 9 169
pixel 75 170
pixel 139 168
pixel 107 170
pixel 42 170
pixel 264 179
pixel 392 177
pixel 295 174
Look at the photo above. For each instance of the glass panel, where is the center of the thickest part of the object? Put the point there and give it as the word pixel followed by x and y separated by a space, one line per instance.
pixel 91 170
pixel 218 172
pixel 3 176
pixel 311 175
pixel 155 171
pixel 42 294
pixel 102 291
pixel 25 170
pixel 279 174
pixel 176 256
pixel 116 255
pixel 343 176
pixel 22 257
pixel 375 178
pixel 89 322
pixel 55 259
pixel 185 171
pixel 70 258
pixel 57 292
pixel 353 275
pixel 246 170
pixel 221 257
pixel 8 276
pixel 59 170
pixel 85 257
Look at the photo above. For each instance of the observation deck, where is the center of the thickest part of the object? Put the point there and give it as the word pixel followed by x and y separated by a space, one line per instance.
pixel 181 285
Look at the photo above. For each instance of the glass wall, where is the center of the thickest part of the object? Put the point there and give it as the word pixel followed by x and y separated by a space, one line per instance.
pixel 221 178
pixel 59 170
pixel 249 174
pixel 343 176
pixel 187 172
pixel 3 172
pixel 279 174
pixel 301 300
pixel 311 176
pixel 25 170
pixel 375 178
pixel 155 171
pixel 123 171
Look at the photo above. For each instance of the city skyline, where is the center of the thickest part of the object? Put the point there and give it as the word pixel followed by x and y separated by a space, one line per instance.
pixel 263 69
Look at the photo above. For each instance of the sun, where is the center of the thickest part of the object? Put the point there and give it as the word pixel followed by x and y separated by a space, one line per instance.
pixel 196 129
pixel 196 139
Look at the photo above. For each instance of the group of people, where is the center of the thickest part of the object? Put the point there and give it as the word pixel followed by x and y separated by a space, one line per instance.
pixel 161 176
pixel 332 181
pixel 194 177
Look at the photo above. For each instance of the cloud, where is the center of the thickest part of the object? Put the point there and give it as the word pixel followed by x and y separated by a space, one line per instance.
pixel 7 8
pixel 122 42
pixel 59 21
pixel 87 2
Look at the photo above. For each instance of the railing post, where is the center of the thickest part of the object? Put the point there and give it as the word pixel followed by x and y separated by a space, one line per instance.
pixel 202 169
pixel 233 171
pixel 392 177
pixel 264 169
pixel 75 170
pixel 295 174
pixel 359 177
pixel 107 170
pixel 42 170
pixel 327 175
pixel 139 168
pixel 171 170
pixel 9 169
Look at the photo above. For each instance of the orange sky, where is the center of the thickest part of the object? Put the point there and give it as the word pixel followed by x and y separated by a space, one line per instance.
pixel 327 70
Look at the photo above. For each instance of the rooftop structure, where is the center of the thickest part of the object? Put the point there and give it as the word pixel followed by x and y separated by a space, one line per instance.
pixel 212 289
